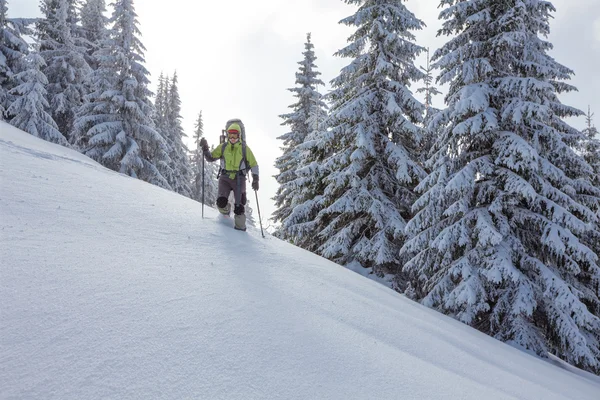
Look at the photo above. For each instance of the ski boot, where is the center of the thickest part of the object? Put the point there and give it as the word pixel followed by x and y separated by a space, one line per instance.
pixel 239 222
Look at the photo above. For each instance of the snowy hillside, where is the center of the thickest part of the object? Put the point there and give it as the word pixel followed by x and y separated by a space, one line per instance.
pixel 114 288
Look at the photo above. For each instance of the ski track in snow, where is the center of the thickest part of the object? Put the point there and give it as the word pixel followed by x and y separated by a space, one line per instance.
pixel 114 288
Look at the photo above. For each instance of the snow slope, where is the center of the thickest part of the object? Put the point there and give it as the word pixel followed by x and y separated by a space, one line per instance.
pixel 113 288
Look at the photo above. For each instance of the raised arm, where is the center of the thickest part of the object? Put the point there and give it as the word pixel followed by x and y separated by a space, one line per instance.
pixel 206 151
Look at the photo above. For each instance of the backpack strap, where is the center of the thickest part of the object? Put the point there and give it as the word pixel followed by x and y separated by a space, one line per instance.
pixel 222 166
pixel 244 160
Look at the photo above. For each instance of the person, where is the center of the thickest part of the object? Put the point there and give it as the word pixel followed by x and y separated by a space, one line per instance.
pixel 233 172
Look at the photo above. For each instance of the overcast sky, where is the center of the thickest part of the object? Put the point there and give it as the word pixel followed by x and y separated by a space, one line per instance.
pixel 235 58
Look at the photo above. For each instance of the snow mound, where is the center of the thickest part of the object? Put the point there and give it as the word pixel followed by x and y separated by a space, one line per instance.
pixel 114 288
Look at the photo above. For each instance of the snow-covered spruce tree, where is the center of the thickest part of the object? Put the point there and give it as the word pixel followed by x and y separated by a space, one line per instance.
pixel 196 159
pixel 497 238
pixel 159 101
pixel 374 134
pixel 307 96
pixel 74 22
pixel 114 126
pixel 66 67
pixel 173 134
pixel 29 106
pixel 48 30
pixel 162 125
pixel 210 169
pixel 429 91
pixel 591 147
pixel 309 183
pixel 45 27
pixel 94 25
pixel 13 49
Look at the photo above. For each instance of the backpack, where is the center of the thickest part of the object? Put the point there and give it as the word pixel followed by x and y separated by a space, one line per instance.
pixel 224 142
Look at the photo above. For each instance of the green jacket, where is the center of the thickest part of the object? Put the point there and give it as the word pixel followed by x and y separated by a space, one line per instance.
pixel 231 161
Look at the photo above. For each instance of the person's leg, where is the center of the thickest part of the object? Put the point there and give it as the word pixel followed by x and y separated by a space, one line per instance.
pixel 240 200
pixel 225 187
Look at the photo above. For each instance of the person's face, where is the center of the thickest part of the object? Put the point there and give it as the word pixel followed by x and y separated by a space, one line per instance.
pixel 234 136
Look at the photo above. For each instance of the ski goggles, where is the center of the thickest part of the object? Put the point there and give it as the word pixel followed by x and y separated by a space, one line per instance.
pixel 233 134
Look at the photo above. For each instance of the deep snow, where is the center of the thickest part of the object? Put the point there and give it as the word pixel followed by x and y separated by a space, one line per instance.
pixel 114 288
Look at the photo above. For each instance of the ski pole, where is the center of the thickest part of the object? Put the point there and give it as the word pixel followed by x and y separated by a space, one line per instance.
pixel 203 186
pixel 259 219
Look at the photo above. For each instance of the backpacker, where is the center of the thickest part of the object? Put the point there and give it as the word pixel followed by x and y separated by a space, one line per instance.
pixel 243 168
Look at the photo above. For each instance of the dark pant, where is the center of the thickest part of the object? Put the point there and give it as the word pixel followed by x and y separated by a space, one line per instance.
pixel 238 186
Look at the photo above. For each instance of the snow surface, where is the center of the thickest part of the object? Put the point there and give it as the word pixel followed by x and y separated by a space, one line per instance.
pixel 114 288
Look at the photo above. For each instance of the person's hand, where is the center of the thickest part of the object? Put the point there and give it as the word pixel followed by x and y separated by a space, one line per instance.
pixel 204 144
pixel 255 182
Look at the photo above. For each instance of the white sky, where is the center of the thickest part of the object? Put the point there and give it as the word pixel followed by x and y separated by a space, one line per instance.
pixel 236 58
pixel 114 288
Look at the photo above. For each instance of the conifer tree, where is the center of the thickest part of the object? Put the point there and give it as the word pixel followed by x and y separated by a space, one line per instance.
pixel 46 32
pixel 94 25
pixel 66 67
pixel 160 100
pixel 48 28
pixel 173 133
pixel 30 104
pixel 210 169
pixel 591 147
pixel 309 184
pixel 114 127
pixel 307 97
pixel 161 124
pixel 429 91
pixel 167 118
pixel 74 23
pixel 497 238
pixel 374 137
pixel 13 49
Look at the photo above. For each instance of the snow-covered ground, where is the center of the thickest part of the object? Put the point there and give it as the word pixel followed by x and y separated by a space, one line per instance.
pixel 112 288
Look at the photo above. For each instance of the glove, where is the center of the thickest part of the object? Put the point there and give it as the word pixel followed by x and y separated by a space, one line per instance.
pixel 204 144
pixel 255 182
